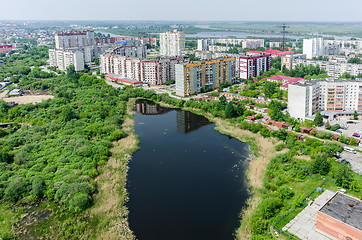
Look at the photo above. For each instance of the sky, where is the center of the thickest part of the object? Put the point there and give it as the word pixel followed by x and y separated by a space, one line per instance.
pixel 183 10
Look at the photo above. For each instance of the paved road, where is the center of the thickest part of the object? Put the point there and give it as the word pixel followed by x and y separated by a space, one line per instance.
pixel 113 84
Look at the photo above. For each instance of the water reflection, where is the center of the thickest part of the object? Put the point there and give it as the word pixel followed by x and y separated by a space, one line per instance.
pixel 188 122
pixel 149 108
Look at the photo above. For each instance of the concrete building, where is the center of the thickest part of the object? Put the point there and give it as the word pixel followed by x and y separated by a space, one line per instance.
pixel 172 43
pixel 74 39
pixel 136 40
pixel 275 44
pixel 347 46
pixel 62 59
pixel 202 44
pixel 192 77
pixel 126 81
pixel 334 96
pixel 303 99
pixel 253 65
pixel 288 60
pixel 333 69
pixel 341 217
pixel 316 46
pixel 6 48
pixel 150 71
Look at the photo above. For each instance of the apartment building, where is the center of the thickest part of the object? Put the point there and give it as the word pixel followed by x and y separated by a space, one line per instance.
pixel 303 99
pixel 253 65
pixel 136 40
pixel 150 71
pixel 192 77
pixel 317 46
pixel 288 60
pixel 172 43
pixel 347 46
pixel 74 39
pixel 203 44
pixel 62 59
pixel 334 69
pixel 6 48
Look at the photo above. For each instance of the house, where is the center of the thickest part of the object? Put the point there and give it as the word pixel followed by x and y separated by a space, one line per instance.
pixel 251 118
pixel 306 130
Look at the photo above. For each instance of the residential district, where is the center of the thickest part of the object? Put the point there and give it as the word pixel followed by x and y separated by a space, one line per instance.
pixel 311 86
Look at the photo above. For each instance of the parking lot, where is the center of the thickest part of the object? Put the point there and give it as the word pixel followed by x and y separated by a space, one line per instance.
pixel 355 160
pixel 352 127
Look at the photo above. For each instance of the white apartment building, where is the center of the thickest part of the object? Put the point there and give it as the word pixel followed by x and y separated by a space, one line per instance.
pixel 203 44
pixel 64 58
pixel 333 95
pixel 347 46
pixel 303 99
pixel 316 46
pixel 172 43
pixel 154 72
pixel 74 39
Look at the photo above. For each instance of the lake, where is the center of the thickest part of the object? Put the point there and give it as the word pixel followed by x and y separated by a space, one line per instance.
pixel 187 181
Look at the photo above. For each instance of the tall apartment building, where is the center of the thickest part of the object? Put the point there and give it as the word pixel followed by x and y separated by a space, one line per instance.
pixel 137 40
pixel 74 39
pixel 192 77
pixel 337 95
pixel 172 43
pixel 303 99
pixel 253 65
pixel 151 71
pixel 347 46
pixel 316 46
pixel 62 59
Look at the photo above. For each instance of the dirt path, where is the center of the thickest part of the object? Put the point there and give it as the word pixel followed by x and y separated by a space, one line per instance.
pixel 28 99
pixel 110 202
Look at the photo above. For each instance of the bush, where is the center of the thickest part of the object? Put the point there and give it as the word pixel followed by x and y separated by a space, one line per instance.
pixel 268 207
pixel 284 192
pixel 15 189
pixel 258 225
pixel 80 202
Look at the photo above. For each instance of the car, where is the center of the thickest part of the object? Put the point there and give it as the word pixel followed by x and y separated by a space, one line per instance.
pixel 356 135
pixel 338 131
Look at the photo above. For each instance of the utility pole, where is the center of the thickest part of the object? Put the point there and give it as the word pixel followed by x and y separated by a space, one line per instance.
pixel 283 31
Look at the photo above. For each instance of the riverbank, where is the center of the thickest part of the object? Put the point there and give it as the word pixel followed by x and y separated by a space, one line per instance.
pixel 110 202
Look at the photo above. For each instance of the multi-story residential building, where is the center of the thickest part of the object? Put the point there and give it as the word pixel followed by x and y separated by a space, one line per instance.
pixel 62 59
pixel 253 65
pixel 333 69
pixel 347 46
pixel 303 99
pixel 316 46
pixel 215 48
pixel 192 77
pixel 6 48
pixel 150 71
pixel 334 96
pixel 74 39
pixel 136 40
pixel 288 60
pixel 203 44
pixel 172 43
pixel 275 44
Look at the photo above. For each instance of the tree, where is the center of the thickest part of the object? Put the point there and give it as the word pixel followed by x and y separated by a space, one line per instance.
pixel 229 110
pixel 321 164
pixel 327 125
pixel 96 61
pixel 269 89
pixel 355 60
pixel 318 120
pixel 354 186
pixel 355 115
pixel 343 175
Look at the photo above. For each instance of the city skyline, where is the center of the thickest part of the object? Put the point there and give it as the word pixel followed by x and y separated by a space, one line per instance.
pixel 200 10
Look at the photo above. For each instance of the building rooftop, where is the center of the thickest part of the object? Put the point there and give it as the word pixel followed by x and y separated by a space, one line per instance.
pixel 272 52
pixel 131 80
pixel 344 208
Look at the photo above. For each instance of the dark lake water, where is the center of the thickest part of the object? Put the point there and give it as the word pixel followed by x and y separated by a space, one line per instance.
pixel 187 181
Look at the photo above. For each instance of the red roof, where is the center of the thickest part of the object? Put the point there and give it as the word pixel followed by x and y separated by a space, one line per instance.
pixel 289 80
pixel 272 52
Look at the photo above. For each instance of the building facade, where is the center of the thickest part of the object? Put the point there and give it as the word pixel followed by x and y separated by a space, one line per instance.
pixel 203 44
pixel 6 48
pixel 172 43
pixel 150 71
pixel 252 66
pixel 62 59
pixel 288 60
pixel 316 46
pixel 192 77
pixel 303 99
pixel 74 39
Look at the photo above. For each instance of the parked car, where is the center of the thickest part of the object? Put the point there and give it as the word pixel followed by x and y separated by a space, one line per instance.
pixel 356 135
